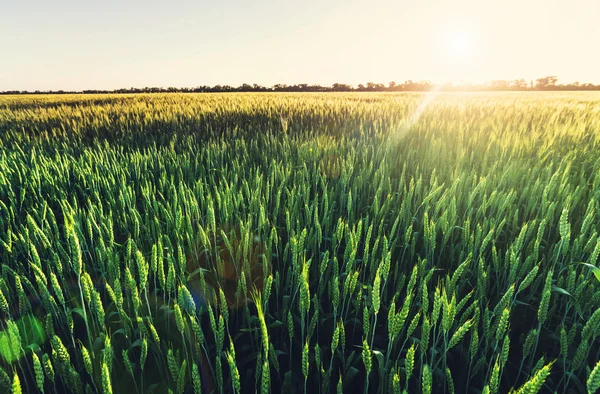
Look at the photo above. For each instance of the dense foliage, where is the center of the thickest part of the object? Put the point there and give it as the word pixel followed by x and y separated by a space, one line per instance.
pixel 300 243
pixel 546 83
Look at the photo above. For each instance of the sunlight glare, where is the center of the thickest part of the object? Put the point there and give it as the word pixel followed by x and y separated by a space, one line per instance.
pixel 414 117
pixel 457 52
pixel 460 43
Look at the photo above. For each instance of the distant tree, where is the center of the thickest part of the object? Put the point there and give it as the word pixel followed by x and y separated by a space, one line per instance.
pixel 519 84
pixel 546 82
pixel 423 85
pixel 245 88
pixel 341 87
pixel 589 86
pixel 408 85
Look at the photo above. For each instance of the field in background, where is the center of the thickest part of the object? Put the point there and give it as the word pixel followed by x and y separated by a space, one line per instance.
pixel 300 243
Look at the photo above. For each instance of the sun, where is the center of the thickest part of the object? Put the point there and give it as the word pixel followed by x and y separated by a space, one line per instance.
pixel 457 53
pixel 460 44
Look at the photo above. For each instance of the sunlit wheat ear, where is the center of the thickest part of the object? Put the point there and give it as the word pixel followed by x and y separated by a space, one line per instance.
pixel 48 368
pixel 39 373
pixel 367 357
pixel 593 381
pixel 266 378
pixel 426 380
pixel 16 384
pixel 106 383
pixel 534 384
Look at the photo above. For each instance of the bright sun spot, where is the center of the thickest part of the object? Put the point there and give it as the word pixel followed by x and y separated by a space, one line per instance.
pixel 457 53
pixel 460 44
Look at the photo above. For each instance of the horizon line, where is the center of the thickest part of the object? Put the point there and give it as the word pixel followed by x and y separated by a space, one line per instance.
pixel 544 84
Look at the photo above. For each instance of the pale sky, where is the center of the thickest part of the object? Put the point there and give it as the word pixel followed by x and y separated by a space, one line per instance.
pixel 75 45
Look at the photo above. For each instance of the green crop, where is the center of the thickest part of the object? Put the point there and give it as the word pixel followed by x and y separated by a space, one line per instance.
pixel 309 243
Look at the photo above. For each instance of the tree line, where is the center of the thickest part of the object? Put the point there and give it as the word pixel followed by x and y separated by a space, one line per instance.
pixel 545 83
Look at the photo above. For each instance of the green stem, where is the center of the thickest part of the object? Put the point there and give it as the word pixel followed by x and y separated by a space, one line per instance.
pixel 87 327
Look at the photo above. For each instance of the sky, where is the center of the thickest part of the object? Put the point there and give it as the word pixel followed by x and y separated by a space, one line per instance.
pixel 76 45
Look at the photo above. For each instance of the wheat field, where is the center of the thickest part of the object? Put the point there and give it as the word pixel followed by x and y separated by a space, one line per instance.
pixel 300 243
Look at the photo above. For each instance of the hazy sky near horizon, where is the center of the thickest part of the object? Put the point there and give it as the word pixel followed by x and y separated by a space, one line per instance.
pixel 74 45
